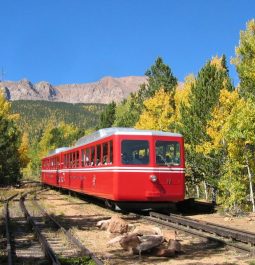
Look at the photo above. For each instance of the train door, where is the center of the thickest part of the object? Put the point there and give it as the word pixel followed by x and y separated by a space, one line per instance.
pixel 170 175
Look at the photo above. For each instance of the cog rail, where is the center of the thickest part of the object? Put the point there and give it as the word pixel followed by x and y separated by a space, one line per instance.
pixel 239 239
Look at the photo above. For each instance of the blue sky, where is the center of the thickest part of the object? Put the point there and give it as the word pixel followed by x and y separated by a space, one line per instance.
pixel 76 41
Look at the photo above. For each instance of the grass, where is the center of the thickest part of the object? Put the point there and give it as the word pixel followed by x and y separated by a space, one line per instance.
pixel 77 261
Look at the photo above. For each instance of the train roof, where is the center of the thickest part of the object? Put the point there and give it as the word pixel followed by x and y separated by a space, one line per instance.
pixel 58 150
pixel 103 133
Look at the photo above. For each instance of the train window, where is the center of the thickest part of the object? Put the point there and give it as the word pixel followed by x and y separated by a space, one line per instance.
pixel 65 161
pixel 68 160
pixel 83 158
pixel 77 159
pixel 135 152
pixel 92 156
pixel 87 158
pixel 99 155
pixel 105 154
pixel 167 153
pixel 71 160
pixel 111 153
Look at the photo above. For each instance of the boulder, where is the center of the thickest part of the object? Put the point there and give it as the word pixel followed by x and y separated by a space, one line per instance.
pixel 130 243
pixel 147 230
pixel 117 225
pixel 103 224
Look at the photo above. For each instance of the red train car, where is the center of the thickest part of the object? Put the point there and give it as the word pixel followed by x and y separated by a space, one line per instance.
pixel 126 167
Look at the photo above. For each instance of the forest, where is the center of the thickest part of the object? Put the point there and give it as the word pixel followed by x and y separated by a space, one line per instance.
pixel 216 119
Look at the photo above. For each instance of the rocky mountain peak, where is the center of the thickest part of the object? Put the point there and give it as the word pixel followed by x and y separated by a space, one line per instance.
pixel 103 91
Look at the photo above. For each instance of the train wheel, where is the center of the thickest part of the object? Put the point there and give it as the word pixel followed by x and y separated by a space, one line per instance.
pixel 110 204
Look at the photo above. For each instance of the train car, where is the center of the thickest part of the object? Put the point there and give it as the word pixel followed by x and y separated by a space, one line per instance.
pixel 126 167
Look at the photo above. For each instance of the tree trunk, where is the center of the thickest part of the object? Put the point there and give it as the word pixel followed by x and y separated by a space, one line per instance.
pixel 251 187
pixel 206 193
pixel 197 189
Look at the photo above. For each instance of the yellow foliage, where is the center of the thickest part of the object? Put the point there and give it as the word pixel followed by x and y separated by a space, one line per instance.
pixel 182 93
pixel 5 108
pixel 23 150
pixel 217 126
pixel 217 62
pixel 158 112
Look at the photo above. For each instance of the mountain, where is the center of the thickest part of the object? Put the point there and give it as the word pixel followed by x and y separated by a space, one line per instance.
pixel 103 91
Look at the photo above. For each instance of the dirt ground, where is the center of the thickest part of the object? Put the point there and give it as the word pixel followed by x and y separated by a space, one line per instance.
pixel 82 216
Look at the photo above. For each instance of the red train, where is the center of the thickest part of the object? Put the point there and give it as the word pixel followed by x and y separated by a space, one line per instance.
pixel 126 167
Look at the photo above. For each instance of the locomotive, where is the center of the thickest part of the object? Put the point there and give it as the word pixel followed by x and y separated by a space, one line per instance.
pixel 127 168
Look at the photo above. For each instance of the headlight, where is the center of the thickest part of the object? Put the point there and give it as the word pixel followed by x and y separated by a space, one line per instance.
pixel 153 178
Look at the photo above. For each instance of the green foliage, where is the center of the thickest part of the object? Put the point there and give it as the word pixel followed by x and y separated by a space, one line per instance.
pixel 58 136
pixel 233 187
pixel 77 261
pixel 50 125
pixel 107 117
pixel 203 97
pixel 195 115
pixel 245 60
pixel 36 115
pixel 128 112
pixel 9 145
pixel 159 76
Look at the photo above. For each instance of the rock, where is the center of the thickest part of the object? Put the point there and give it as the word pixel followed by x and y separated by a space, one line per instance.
pixel 117 225
pixel 115 240
pixel 162 251
pixel 174 245
pixel 106 90
pixel 103 224
pixel 149 242
pixel 130 243
pixel 147 230
pixel 169 235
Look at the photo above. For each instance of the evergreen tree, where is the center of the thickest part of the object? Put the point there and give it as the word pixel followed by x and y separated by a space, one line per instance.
pixel 203 97
pixel 9 145
pixel 160 75
pixel 228 83
pixel 107 117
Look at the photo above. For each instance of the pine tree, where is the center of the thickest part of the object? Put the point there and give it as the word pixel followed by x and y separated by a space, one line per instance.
pixel 107 117
pixel 9 145
pixel 160 75
pixel 203 97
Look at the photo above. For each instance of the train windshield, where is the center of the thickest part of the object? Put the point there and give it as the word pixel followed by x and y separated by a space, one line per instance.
pixel 167 153
pixel 135 152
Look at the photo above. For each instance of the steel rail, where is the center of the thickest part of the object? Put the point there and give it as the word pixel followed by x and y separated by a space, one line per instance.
pixel 7 228
pixel 197 228
pixel 83 249
pixel 7 231
pixel 49 253
pixel 219 230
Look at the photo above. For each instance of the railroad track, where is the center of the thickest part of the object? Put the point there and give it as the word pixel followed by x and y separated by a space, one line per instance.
pixel 52 244
pixel 73 240
pixel 238 239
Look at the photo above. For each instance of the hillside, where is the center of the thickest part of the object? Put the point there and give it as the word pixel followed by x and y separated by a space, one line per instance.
pixel 103 91
pixel 35 115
